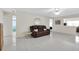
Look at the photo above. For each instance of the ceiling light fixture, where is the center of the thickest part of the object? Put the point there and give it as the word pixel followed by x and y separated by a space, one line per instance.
pixel 57 11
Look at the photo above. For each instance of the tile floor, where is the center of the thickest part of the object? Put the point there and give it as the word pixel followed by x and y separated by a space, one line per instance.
pixel 53 42
pixel 10 43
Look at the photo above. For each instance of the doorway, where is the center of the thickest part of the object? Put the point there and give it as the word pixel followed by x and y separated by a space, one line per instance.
pixel 51 23
pixel 14 29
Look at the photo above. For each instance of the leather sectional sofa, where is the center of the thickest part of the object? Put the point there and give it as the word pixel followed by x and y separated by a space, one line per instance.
pixel 39 30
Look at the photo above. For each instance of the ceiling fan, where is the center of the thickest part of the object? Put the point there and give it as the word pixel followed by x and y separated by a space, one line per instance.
pixel 56 11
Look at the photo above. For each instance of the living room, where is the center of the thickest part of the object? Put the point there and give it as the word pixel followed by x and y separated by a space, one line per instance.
pixel 58 27
pixel 39 29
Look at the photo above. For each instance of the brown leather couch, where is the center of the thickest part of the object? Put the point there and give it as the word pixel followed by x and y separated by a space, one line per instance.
pixel 41 30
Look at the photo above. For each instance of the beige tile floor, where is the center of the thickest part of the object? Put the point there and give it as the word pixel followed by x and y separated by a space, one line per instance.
pixel 10 43
pixel 53 42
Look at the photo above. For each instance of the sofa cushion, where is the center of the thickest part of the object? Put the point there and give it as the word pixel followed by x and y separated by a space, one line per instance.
pixel 36 30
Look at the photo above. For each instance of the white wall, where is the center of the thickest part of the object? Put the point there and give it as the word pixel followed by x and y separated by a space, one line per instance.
pixel 6 20
pixel 75 18
pixel 7 23
pixel 64 29
pixel 1 16
pixel 25 20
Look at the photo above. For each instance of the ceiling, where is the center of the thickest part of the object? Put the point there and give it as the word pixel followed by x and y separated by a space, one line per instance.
pixel 8 10
pixel 66 12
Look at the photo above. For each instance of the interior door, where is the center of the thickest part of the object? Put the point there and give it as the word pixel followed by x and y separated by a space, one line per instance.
pixel 1 36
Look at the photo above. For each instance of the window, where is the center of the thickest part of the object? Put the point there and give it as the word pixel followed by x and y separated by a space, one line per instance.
pixel 50 22
pixel 72 22
pixel 14 23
